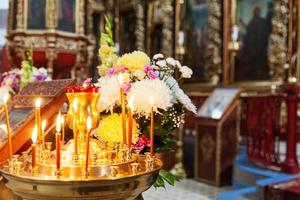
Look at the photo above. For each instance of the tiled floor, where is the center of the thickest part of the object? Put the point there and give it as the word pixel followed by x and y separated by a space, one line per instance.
pixel 187 189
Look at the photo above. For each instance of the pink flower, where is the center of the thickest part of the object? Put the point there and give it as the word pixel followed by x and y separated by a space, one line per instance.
pixel 112 71
pixel 142 142
pixel 122 69
pixel 126 87
pixel 152 74
pixel 150 71
pixel 88 81
pixel 148 68
pixel 116 70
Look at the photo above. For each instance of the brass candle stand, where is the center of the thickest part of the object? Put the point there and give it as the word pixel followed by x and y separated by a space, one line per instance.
pixel 112 171
pixel 113 174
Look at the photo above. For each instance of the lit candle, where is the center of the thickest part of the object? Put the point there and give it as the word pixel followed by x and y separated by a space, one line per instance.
pixel 75 107
pixel 181 38
pixel 38 118
pixel 33 147
pixel 63 129
pixel 58 139
pixel 122 95
pixel 88 127
pixel 8 126
pixel 130 120
pixel 152 127
pixel 44 123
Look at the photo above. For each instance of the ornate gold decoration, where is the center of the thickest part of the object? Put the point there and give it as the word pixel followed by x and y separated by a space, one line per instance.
pixel 138 7
pixel 10 16
pixel 51 55
pixel 168 29
pixel 207 147
pixel 80 17
pixel 20 14
pixel 140 25
pixel 51 14
pixel 278 50
pixel 213 64
pixel 109 182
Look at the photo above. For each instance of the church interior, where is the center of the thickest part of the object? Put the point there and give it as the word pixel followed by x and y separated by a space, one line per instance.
pixel 149 99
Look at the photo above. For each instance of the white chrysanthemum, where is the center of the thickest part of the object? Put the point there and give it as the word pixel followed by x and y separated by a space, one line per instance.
pixel 161 63
pixel 186 72
pixel 109 93
pixel 171 61
pixel 158 56
pixel 178 64
pixel 145 89
pixel 180 95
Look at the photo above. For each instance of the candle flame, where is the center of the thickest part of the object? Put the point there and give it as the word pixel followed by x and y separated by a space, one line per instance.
pixel 120 79
pixel 44 123
pixel 6 98
pixel 62 120
pixel 89 123
pixel 38 103
pixel 34 135
pixel 58 123
pixel 75 104
pixel 131 100
pixel 3 127
pixel 151 101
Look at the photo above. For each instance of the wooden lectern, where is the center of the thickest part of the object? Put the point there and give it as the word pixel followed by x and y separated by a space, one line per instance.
pixel 217 134
pixel 22 117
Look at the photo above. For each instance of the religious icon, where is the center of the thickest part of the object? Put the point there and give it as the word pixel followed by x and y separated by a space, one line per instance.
pixel 196 42
pixel 216 104
pixel 254 19
pixel 66 15
pixel 36 14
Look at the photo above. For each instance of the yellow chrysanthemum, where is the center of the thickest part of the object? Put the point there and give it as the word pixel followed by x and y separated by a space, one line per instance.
pixel 110 129
pixel 134 61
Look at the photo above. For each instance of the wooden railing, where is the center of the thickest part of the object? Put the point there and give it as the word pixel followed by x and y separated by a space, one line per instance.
pixel 264 132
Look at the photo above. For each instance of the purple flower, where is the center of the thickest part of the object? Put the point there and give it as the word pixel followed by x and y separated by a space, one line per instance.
pixel 126 87
pixel 11 79
pixel 40 77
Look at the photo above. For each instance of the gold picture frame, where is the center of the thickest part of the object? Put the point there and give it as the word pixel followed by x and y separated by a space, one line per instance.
pixel 278 55
pixel 136 7
pixel 160 15
pixel 214 60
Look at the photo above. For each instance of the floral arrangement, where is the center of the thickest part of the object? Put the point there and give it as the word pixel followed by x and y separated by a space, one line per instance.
pixel 13 81
pixel 142 78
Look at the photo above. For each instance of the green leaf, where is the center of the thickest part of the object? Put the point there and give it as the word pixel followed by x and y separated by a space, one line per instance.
pixel 108 27
pixel 169 177
pixel 165 176
pixel 159 182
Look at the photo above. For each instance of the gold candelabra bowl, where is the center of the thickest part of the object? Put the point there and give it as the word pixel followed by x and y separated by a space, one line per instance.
pixel 86 105
pixel 117 174
pixel 84 167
